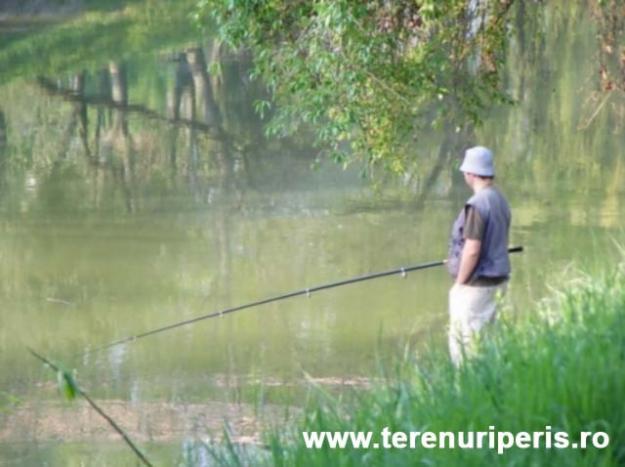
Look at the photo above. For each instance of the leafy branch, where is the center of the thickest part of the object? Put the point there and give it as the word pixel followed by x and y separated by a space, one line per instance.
pixel 369 76
pixel 69 387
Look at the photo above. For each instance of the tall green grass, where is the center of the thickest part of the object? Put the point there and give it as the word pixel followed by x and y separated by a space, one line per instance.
pixel 560 365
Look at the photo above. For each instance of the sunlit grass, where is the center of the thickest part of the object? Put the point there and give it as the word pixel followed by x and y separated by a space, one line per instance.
pixel 92 38
pixel 561 365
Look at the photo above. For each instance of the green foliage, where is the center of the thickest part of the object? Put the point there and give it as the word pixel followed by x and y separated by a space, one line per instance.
pixel 368 75
pixel 8 401
pixel 67 384
pixel 93 38
pixel 562 367
pixel 65 379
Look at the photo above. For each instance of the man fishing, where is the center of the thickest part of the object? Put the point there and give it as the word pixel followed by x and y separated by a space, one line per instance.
pixel 478 261
pixel 478 254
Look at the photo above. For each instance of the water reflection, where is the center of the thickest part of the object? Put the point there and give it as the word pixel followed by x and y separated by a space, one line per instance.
pixel 141 192
pixel 192 129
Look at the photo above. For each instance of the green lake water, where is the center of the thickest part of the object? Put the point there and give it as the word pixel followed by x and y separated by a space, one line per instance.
pixel 137 190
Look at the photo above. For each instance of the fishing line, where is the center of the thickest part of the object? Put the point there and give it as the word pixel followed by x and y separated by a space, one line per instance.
pixel 403 271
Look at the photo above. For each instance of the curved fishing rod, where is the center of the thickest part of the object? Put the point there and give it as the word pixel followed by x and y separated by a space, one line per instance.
pixel 217 314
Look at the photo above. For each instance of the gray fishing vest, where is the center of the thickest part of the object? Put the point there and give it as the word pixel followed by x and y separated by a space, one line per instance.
pixel 495 212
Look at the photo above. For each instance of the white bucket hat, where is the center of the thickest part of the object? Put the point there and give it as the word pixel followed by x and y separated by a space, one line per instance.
pixel 478 160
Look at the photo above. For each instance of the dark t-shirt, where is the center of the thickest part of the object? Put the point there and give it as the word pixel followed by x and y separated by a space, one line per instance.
pixel 474 229
pixel 473 224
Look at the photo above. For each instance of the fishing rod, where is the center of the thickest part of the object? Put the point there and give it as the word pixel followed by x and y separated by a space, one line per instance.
pixel 217 314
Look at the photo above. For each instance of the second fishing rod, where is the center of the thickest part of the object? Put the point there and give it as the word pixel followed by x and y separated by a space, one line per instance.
pixel 403 271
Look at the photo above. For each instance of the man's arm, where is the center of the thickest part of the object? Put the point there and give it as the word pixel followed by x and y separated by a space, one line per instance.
pixel 468 260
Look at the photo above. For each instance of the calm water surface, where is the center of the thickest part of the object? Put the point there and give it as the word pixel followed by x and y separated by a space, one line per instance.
pixel 138 190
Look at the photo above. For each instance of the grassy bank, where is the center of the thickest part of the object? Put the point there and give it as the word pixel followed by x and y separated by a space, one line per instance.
pixel 90 37
pixel 562 365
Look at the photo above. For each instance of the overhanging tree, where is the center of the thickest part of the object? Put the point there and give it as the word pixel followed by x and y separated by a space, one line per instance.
pixel 368 77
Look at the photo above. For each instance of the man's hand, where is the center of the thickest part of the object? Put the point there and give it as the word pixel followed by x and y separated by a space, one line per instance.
pixel 468 260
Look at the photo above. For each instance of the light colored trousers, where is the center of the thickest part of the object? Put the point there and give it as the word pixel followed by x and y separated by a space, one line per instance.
pixel 470 309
